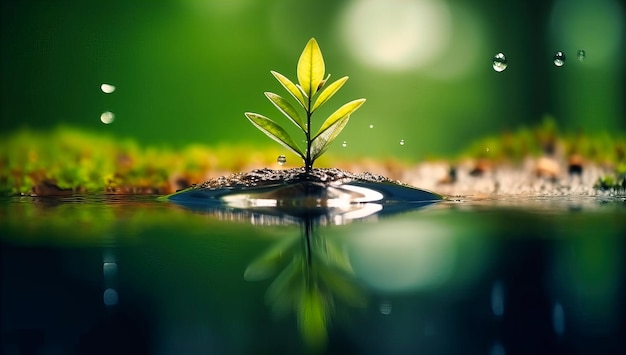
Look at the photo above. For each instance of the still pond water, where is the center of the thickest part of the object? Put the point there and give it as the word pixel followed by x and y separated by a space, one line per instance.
pixel 133 275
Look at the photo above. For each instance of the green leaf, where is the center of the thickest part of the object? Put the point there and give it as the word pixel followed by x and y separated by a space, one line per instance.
pixel 267 264
pixel 283 292
pixel 313 313
pixel 342 112
pixel 291 88
pixel 323 141
pixel 322 83
pixel 311 67
pixel 327 93
pixel 287 109
pixel 274 131
pixel 343 286
pixel 303 93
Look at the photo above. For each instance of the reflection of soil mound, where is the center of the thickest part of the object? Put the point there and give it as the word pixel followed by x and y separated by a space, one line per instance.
pixel 296 192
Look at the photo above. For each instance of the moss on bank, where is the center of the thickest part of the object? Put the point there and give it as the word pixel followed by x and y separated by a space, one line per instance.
pixel 67 160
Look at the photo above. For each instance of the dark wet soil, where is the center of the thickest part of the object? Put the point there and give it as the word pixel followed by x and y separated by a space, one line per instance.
pixel 270 177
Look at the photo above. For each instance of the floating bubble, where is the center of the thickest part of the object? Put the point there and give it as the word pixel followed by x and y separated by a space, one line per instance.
pixel 559 59
pixel 581 55
pixel 281 160
pixel 107 117
pixel 344 144
pixel 107 88
pixel 499 62
pixel 401 141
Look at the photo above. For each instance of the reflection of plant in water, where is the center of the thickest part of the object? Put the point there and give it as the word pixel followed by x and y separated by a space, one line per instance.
pixel 316 274
pixel 310 96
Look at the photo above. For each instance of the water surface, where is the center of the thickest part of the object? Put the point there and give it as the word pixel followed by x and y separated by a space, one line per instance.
pixel 93 274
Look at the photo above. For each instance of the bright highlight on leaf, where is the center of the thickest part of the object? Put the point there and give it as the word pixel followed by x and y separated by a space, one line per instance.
pixel 291 88
pixel 310 94
pixel 329 92
pixel 311 68
pixel 341 113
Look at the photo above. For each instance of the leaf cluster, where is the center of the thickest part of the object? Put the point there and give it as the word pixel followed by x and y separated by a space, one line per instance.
pixel 310 93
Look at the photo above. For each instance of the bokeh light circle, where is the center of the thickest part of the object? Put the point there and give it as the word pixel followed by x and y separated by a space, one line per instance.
pixel 396 34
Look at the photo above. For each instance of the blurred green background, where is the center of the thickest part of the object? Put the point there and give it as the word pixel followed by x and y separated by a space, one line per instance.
pixel 184 71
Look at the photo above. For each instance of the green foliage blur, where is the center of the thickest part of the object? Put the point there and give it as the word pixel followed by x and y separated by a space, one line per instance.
pixel 67 160
pixel 186 70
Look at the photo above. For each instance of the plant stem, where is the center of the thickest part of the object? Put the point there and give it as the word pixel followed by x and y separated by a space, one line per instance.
pixel 308 164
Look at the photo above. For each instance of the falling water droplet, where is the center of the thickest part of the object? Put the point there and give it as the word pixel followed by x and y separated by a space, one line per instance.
pixel 281 160
pixel 344 144
pixel 401 141
pixel 107 117
pixel 559 59
pixel 581 55
pixel 499 62
pixel 371 126
pixel 107 88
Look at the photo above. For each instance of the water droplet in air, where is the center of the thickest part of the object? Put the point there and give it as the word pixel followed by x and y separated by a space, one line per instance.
pixel 499 62
pixel 107 88
pixel 107 117
pixel 371 126
pixel 581 55
pixel 401 141
pixel 344 144
pixel 281 160
pixel 559 59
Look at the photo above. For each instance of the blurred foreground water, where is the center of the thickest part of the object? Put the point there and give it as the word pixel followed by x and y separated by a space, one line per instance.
pixel 96 274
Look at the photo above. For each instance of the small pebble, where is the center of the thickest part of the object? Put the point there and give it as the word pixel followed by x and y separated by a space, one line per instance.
pixel 547 168
pixel 575 165
pixel 481 167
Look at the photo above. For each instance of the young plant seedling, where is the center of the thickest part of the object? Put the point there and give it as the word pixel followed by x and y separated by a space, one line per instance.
pixel 309 95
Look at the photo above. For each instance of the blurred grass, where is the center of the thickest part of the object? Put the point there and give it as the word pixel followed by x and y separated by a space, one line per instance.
pixel 546 138
pixel 67 160
pixel 71 160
